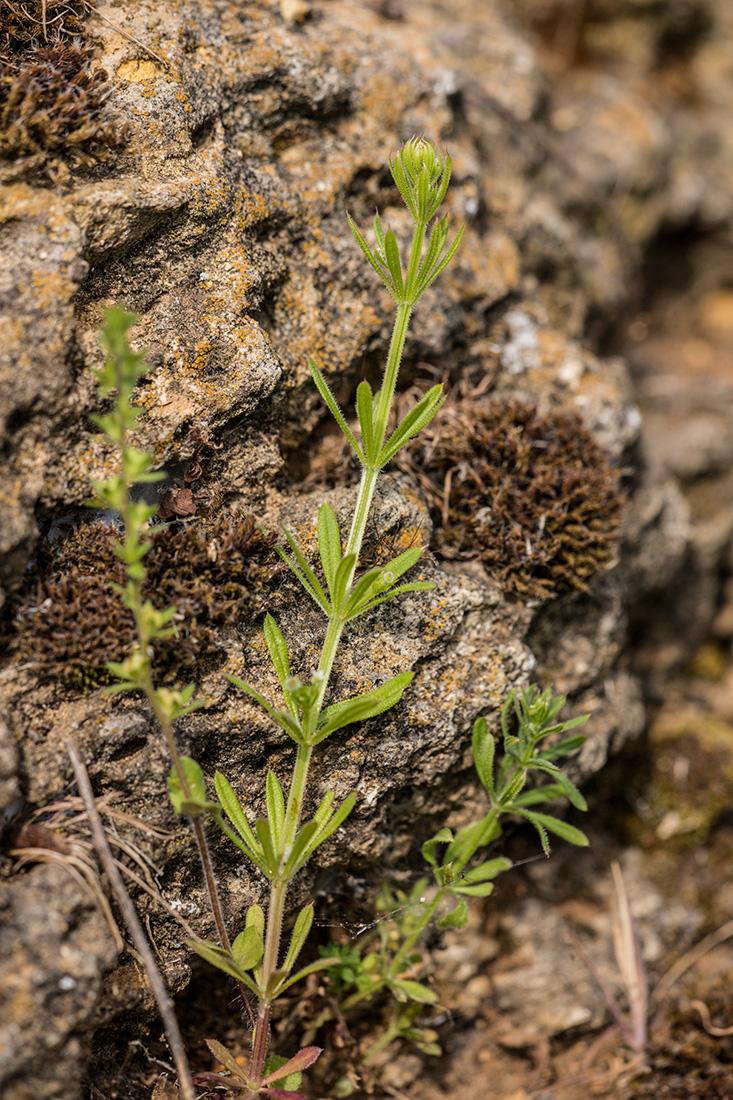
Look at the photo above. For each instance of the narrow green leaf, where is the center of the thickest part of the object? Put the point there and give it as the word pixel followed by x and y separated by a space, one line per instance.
pixel 325 392
pixel 370 257
pixel 227 1059
pixel 236 815
pixel 329 543
pixel 321 964
pixel 435 245
pixel 413 423
pixel 304 573
pixel 275 801
pixel 487 871
pixel 559 828
pixel 400 590
pixel 405 990
pixel 299 852
pixel 404 561
pixel 392 256
pixel 365 411
pixel 248 948
pixel 538 794
pixel 283 718
pixel 255 856
pixel 445 836
pixel 341 582
pixel 569 789
pixel 265 838
pixel 220 959
pixel 433 275
pixel 301 929
pixel 484 747
pixel 568 745
pixel 359 709
pixel 234 811
pixel 323 813
pixel 277 648
pixel 329 827
pixel 361 590
pixel 300 1061
pixel 379 232
pixel 423 190
pixel 480 890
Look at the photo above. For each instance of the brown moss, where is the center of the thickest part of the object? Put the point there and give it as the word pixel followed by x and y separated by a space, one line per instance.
pixel 533 496
pixel 69 620
pixel 27 24
pixel 53 109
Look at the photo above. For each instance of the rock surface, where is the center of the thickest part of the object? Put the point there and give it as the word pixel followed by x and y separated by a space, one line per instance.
pixel 222 225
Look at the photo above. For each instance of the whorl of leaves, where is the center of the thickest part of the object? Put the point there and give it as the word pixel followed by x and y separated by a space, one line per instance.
pixel 530 494
pixel 70 621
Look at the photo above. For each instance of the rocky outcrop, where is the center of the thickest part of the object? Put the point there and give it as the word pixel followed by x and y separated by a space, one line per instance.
pixel 249 129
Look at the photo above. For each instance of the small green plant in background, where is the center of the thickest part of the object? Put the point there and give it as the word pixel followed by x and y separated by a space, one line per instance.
pixel 385 955
pixel 280 843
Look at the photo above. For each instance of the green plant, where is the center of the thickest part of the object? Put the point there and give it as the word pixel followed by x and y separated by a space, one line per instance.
pixel 279 845
pixel 118 376
pixel 382 958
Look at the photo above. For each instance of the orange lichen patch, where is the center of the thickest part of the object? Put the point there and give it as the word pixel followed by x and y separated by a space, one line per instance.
pixel 488 266
pixel 383 96
pixel 49 288
pixel 140 69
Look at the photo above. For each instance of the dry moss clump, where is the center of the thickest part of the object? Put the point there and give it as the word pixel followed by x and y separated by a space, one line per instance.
pixel 530 494
pixel 69 620
pixel 53 108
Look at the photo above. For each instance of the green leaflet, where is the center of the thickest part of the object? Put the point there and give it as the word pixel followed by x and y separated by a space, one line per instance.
pixel 301 929
pixel 284 718
pixel 275 807
pixel 329 545
pixel 304 573
pixel 406 990
pixel 278 650
pixel 247 948
pixel 413 423
pixel 365 412
pixel 219 958
pixel 362 707
pixel 234 811
pixel 484 748
pixel 566 832
pixel 198 803
pixel 320 381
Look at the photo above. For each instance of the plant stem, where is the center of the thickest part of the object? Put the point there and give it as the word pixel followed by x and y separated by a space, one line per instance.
pixel 136 603
pixel 157 985
pixel 261 1036
pixel 389 382
pixel 329 651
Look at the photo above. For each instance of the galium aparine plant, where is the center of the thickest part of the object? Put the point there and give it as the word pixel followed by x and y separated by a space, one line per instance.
pixel 280 843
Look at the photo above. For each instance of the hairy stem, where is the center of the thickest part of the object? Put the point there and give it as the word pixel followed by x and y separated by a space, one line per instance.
pixel 157 985
pixel 261 1037
pixel 329 652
